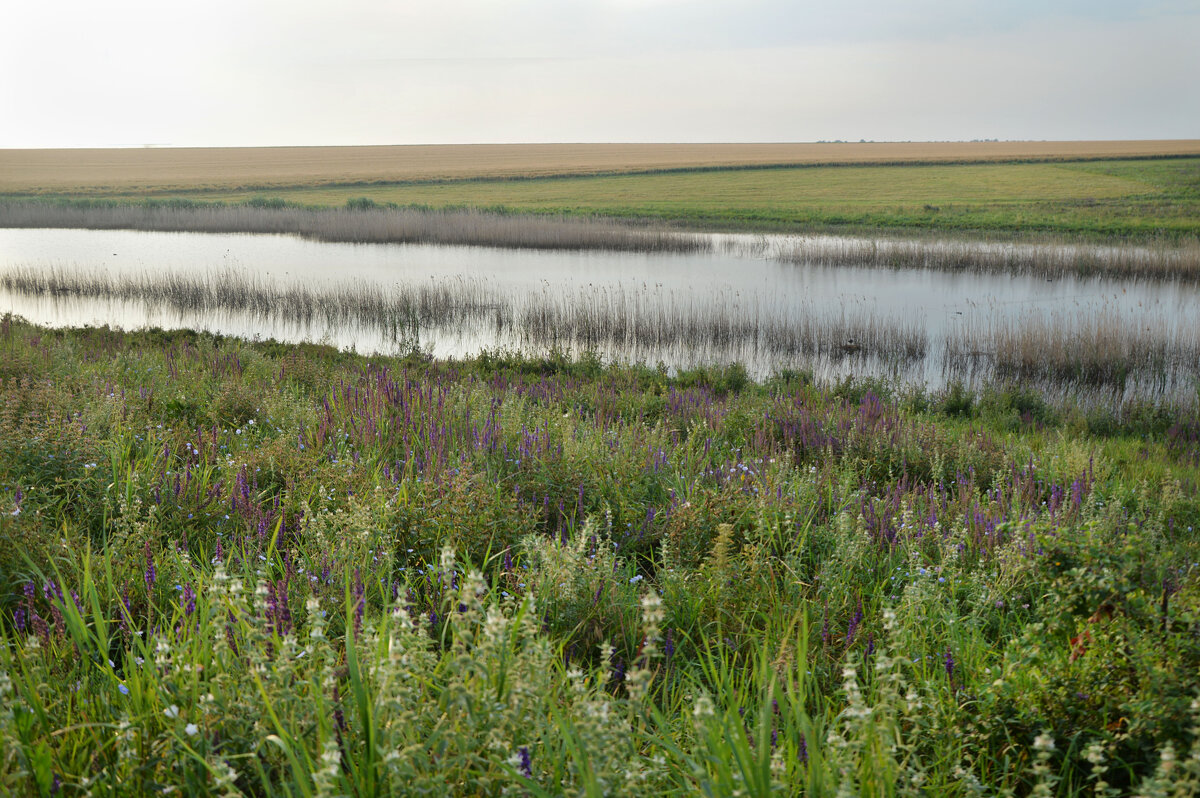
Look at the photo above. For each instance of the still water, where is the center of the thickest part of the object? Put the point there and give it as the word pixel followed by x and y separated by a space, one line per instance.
pixel 738 279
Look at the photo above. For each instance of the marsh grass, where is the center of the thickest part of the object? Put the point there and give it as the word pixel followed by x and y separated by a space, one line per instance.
pixel 616 318
pixel 1150 355
pixel 1098 347
pixel 367 223
pixel 1051 260
pixel 357 303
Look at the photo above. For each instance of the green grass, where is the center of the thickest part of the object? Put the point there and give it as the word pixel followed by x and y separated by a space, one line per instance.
pixel 234 567
pixel 1136 199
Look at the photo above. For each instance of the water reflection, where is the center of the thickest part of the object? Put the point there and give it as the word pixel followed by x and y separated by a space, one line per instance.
pixel 734 303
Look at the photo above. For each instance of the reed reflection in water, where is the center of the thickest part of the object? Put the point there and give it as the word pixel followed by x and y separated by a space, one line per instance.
pixel 1101 347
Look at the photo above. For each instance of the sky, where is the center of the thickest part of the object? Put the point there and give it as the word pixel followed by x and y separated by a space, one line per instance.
pixel 300 72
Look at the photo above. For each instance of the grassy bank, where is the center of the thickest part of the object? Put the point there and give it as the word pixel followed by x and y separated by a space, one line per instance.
pixel 363 220
pixel 1139 200
pixel 255 568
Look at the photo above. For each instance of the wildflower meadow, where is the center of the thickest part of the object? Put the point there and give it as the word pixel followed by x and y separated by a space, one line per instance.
pixel 250 568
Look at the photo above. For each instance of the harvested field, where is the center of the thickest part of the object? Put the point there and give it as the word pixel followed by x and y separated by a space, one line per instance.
pixel 99 171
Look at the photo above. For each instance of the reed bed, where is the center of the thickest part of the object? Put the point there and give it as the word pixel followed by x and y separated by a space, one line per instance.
pixel 611 318
pixel 1152 353
pixel 1100 347
pixel 1051 260
pixel 367 225
pixel 354 303
pixel 646 318
pixel 373 224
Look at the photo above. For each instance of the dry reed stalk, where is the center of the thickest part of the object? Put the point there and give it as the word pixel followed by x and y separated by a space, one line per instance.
pixel 1102 347
pixel 1049 260
pixel 455 227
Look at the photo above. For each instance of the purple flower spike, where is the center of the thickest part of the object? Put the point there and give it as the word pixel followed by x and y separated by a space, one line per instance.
pixel 854 622
pixel 151 573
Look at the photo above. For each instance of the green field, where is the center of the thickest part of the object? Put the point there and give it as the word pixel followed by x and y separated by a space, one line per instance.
pixel 1137 199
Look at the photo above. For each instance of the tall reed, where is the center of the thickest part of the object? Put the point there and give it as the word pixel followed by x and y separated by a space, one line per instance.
pixel 1098 347
pixel 1150 354
pixel 356 225
pixel 1050 260
pixel 595 317
pixel 370 223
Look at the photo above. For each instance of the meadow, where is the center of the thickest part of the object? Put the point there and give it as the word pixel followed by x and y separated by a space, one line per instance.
pixel 1111 199
pixel 1117 191
pixel 252 568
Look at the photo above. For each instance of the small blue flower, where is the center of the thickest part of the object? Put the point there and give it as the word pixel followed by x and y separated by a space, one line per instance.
pixel 124 690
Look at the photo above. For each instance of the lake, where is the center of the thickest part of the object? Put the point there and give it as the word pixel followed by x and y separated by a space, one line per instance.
pixel 735 302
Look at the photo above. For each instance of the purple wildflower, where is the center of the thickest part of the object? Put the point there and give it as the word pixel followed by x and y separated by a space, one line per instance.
pixel 854 622
pixel 151 574
pixel 526 762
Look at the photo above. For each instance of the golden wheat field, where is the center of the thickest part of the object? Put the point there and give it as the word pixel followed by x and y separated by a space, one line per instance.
pixel 89 171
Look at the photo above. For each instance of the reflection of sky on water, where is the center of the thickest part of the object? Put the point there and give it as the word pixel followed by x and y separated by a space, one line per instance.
pixel 731 276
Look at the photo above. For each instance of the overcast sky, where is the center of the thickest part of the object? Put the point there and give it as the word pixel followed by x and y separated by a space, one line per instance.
pixel 262 72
